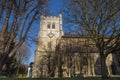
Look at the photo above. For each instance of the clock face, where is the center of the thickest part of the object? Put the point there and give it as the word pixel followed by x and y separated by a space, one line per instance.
pixel 50 35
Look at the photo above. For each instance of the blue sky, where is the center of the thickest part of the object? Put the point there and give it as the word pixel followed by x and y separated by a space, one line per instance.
pixel 55 7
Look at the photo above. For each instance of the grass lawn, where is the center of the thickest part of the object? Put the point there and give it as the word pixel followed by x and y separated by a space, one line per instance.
pixel 115 77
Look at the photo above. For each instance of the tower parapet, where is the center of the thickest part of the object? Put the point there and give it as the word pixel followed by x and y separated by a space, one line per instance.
pixel 51 24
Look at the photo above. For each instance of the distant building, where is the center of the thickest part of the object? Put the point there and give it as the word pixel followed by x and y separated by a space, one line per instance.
pixel 29 74
pixel 64 55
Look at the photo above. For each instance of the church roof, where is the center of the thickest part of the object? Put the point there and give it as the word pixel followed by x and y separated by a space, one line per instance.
pixel 73 36
pixel 78 36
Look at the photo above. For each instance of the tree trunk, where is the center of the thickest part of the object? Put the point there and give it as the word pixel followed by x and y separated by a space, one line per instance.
pixel 3 60
pixel 60 66
pixel 89 68
pixel 80 66
pixel 104 71
pixel 93 68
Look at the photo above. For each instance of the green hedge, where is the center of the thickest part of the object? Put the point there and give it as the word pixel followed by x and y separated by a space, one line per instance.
pixel 22 76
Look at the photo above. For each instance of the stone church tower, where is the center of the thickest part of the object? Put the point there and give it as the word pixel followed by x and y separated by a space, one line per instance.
pixel 49 34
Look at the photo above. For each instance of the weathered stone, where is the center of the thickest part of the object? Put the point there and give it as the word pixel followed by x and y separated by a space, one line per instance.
pixel 61 55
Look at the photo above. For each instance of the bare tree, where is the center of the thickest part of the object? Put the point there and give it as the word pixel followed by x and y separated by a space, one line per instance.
pixel 16 18
pixel 18 63
pixel 22 56
pixel 99 19
pixel 46 64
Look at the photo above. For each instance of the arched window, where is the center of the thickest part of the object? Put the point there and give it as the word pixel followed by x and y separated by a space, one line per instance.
pixel 53 26
pixel 48 26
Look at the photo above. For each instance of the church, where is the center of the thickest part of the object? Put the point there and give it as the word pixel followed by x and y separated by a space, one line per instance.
pixel 66 55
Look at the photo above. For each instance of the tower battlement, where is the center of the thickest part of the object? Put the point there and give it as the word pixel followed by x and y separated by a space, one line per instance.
pixel 51 17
